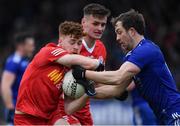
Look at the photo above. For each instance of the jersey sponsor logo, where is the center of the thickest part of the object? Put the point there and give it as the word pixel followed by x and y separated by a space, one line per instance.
pixel 55 76
pixel 57 52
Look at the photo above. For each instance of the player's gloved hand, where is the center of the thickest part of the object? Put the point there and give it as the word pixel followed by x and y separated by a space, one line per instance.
pixel 88 86
pixel 123 96
pixel 78 72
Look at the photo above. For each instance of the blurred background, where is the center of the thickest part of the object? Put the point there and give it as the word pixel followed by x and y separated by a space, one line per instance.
pixel 42 18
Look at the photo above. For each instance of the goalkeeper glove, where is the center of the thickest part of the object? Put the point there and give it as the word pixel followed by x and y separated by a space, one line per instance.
pixel 78 72
pixel 88 86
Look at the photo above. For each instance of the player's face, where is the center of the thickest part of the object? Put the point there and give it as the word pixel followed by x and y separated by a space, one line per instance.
pixel 94 26
pixel 29 47
pixel 71 44
pixel 123 37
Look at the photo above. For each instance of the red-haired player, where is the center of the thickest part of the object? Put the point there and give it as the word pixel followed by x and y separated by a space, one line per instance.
pixel 40 87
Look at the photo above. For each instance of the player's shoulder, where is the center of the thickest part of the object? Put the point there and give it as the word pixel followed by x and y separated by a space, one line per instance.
pixel 14 58
pixel 50 47
pixel 147 47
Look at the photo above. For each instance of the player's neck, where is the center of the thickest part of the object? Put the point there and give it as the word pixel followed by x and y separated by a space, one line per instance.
pixel 89 41
pixel 20 53
pixel 138 40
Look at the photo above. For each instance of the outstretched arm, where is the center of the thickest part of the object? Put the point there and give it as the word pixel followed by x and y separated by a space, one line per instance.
pixel 122 76
pixel 108 91
pixel 74 59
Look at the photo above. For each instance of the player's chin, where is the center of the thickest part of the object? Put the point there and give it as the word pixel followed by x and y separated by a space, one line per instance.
pixel 97 36
pixel 124 49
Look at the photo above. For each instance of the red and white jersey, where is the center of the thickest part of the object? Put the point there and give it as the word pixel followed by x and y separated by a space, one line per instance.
pixel 40 87
pixel 98 51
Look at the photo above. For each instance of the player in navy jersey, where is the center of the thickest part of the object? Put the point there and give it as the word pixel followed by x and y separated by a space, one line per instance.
pixel 145 64
pixel 143 114
pixel 14 68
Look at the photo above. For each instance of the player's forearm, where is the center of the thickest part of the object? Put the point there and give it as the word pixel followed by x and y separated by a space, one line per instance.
pixel 7 98
pixel 85 62
pixel 6 84
pixel 74 59
pixel 73 105
pixel 108 91
pixel 108 77
pixel 121 76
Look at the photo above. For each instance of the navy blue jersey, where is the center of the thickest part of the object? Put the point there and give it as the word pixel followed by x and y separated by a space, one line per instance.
pixel 136 98
pixel 155 82
pixel 16 65
pixel 143 114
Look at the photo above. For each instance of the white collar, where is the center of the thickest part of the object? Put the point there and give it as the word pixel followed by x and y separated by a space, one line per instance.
pixel 90 50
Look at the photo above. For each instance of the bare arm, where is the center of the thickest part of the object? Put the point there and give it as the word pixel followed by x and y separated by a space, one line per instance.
pixel 73 105
pixel 108 91
pixel 6 84
pixel 123 75
pixel 74 59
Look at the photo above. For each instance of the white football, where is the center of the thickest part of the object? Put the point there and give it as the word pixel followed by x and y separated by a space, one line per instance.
pixel 70 87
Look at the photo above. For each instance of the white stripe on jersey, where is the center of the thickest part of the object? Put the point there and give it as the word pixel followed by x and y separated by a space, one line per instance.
pixel 58 51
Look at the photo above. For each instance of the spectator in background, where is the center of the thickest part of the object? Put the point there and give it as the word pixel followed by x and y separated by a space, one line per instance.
pixel 14 68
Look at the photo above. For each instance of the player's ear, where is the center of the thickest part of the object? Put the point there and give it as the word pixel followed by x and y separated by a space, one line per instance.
pixel 131 31
pixel 82 21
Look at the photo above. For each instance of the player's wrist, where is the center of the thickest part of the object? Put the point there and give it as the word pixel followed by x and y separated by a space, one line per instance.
pixel 100 66
pixel 123 96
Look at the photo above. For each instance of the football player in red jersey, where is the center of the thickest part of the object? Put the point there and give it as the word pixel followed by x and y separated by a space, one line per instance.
pixel 41 85
pixel 94 23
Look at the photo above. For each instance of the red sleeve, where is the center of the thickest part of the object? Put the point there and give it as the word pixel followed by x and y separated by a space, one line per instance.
pixel 49 54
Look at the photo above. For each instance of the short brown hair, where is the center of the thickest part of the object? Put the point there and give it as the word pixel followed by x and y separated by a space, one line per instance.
pixel 131 19
pixel 71 28
pixel 96 10
pixel 20 37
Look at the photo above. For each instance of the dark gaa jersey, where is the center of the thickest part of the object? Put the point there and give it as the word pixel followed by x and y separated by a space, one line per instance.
pixel 155 82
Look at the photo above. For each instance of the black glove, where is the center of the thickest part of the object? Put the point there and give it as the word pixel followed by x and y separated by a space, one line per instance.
pixel 123 96
pixel 78 72
pixel 100 67
pixel 88 86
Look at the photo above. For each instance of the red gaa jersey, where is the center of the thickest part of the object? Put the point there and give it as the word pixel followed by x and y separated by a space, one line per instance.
pixel 98 51
pixel 40 87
